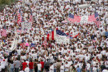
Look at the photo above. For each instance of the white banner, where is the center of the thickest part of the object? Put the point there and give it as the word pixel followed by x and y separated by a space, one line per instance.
pixel 84 5
pixel 62 39
pixel 84 19
pixel 26 25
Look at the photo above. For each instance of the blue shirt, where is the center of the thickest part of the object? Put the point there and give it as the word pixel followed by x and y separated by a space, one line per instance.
pixel 78 70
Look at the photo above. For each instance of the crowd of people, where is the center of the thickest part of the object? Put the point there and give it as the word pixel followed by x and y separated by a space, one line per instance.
pixel 26 51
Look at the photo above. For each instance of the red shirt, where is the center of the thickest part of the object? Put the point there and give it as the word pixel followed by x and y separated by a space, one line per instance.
pixel 24 64
pixel 31 65
pixel 22 45
pixel 42 63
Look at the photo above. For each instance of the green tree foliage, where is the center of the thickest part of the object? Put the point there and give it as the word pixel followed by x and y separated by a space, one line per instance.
pixel 5 2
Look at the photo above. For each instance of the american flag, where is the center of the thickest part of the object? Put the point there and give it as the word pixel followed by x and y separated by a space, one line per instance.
pixel 45 43
pixel 0 31
pixel 73 18
pixel 19 30
pixel 19 16
pixel 32 45
pixel 96 14
pixel 93 17
pixel 30 16
pixel 97 22
pixel 77 19
pixel 59 32
pixel 61 37
pixel 54 33
pixel 3 33
pixel 64 21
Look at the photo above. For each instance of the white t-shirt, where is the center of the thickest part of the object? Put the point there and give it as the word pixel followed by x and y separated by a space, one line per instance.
pixel 88 66
pixel 23 57
pixel 66 67
pixel 99 56
pixel 106 20
pixel 66 0
pixel 21 71
pixel 106 64
pixel 105 70
pixel 19 52
pixel 103 52
pixel 3 64
pixel 34 56
pixel 27 69
pixel 87 58
pixel 51 68
pixel 39 66
pixel 94 69
pixel 62 68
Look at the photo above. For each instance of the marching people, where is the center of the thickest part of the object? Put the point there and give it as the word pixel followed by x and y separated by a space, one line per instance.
pixel 27 42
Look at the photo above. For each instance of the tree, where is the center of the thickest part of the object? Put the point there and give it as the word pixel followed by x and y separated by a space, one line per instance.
pixel 5 2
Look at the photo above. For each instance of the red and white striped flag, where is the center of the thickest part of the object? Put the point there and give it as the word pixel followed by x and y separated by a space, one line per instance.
pixel 19 17
pixel 51 36
pixel 65 21
pixel 91 18
pixel 97 22
pixel 45 43
pixel 30 17
pixel 0 31
pixel 4 33
pixel 19 31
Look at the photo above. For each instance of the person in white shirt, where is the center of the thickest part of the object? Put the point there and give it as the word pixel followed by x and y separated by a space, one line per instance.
pixel 62 68
pixel 51 69
pixel 67 67
pixel 21 71
pixel 105 70
pixel 27 69
pixel 88 67
pixel 39 67
pixel 19 51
